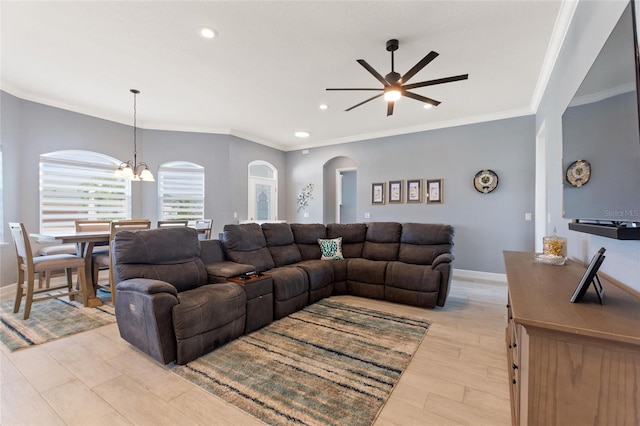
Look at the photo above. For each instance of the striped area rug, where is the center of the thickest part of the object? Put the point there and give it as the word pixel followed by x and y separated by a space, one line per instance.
pixel 328 364
pixel 49 320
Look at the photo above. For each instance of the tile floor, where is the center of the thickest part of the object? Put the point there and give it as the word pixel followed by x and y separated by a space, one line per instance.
pixel 457 377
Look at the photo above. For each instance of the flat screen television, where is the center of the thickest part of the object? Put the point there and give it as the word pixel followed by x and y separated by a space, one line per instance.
pixel 601 133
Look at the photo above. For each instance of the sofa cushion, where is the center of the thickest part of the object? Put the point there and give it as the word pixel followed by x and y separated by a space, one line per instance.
pixel 421 243
pixel 281 244
pixel 382 241
pixel 207 317
pixel 246 244
pixel 416 285
pixel 366 271
pixel 306 236
pixel 330 249
pixel 290 290
pixel 321 278
pixel 352 234
pixel 365 278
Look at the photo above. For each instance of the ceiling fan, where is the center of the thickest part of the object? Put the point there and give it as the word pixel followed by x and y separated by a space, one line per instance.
pixel 395 85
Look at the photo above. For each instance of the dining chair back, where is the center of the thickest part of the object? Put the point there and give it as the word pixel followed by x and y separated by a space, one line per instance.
pixel 203 226
pixel 172 223
pixel 95 225
pixel 29 266
pixel 47 250
pixel 104 260
pixel 92 225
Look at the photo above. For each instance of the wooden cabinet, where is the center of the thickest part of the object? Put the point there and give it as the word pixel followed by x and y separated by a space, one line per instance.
pixel 570 363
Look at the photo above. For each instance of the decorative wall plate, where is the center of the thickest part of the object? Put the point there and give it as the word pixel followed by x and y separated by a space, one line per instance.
pixel 579 173
pixel 485 181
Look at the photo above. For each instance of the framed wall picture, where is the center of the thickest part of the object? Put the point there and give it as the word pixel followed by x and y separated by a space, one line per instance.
pixel 377 193
pixel 395 191
pixel 434 191
pixel 414 190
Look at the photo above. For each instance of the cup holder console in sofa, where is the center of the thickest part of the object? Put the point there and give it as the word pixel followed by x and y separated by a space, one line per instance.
pixel 174 301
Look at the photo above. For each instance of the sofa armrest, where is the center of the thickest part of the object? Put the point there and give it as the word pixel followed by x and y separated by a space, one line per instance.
pixel 147 286
pixel 144 313
pixel 442 258
pixel 220 271
pixel 445 266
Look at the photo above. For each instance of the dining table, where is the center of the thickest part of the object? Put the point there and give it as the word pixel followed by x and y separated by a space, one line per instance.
pixel 84 241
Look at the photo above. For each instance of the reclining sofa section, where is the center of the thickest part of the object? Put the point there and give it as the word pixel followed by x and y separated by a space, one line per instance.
pixel 174 301
pixel 406 263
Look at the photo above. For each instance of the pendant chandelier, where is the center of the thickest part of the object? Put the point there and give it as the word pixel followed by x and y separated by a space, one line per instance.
pixel 132 169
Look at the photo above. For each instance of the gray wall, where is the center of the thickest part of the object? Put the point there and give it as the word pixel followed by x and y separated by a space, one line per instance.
pixel 591 25
pixel 348 208
pixel 30 129
pixel 486 224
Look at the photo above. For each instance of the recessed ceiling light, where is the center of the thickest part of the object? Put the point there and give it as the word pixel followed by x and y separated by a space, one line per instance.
pixel 302 134
pixel 208 32
pixel 324 106
pixel 427 106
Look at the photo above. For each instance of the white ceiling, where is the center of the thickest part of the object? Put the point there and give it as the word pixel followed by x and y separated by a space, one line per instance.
pixel 265 76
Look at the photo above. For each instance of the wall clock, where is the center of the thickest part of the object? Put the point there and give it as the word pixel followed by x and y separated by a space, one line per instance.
pixel 485 181
pixel 578 173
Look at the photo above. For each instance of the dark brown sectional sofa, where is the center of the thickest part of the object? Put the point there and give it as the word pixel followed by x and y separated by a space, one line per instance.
pixel 174 301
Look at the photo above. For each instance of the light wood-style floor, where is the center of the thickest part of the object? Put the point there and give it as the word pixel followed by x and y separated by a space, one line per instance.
pixel 457 377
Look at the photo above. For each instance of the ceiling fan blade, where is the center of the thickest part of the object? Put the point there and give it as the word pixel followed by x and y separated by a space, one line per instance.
pixel 421 98
pixel 436 81
pixel 361 88
pixel 375 73
pixel 364 102
pixel 390 108
pixel 417 67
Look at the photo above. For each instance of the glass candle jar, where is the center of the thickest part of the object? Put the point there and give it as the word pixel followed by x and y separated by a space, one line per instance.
pixel 554 246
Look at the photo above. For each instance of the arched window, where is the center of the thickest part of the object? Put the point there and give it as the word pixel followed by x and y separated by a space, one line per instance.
pixel 80 185
pixel 181 191
pixel 263 191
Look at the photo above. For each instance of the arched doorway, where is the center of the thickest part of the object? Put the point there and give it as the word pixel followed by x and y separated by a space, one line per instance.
pixel 340 190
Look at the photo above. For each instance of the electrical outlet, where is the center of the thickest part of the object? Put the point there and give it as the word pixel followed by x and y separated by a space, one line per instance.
pixel 367 215
pixel 527 216
pixel 306 214
pixel 235 215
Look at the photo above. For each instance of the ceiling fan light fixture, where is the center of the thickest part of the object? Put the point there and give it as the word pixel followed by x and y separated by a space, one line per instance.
pixel 427 106
pixel 392 94
pixel 302 134
pixel 396 86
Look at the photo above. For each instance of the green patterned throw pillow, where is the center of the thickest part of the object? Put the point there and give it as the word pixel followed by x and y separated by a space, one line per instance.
pixel 331 249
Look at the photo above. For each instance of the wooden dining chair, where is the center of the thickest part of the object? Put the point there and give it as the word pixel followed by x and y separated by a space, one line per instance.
pixel 203 226
pixel 104 259
pixel 29 266
pixel 95 225
pixel 172 223
pixel 44 280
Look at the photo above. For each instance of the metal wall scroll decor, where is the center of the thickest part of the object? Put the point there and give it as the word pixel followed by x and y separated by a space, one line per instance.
pixel 485 181
pixel 578 173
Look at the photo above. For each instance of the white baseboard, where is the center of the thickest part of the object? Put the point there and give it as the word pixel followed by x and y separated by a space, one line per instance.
pixel 466 275
pixel 8 291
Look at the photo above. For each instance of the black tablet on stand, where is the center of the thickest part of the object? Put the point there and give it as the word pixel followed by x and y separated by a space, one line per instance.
pixel 591 276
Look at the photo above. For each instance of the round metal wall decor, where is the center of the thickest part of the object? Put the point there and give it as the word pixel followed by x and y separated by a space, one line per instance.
pixel 578 173
pixel 485 181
